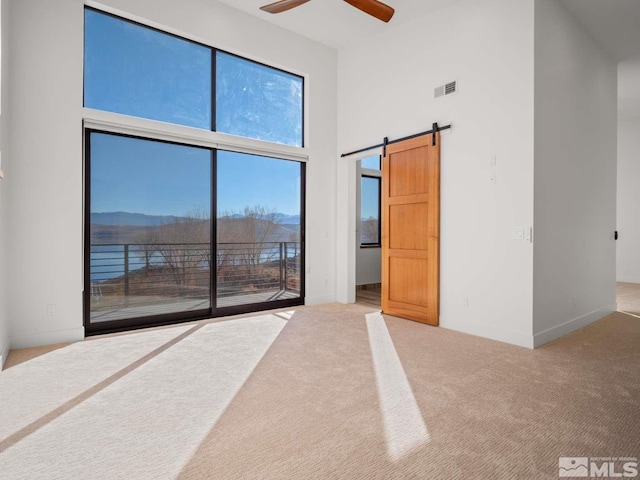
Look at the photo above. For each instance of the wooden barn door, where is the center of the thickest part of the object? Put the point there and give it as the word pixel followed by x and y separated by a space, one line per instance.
pixel 411 229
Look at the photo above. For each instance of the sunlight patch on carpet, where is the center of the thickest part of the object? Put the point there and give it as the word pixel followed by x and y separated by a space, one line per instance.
pixel 285 315
pixel 404 427
pixel 32 389
pixel 148 424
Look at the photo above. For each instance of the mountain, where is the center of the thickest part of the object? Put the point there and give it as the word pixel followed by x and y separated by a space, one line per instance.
pixel 143 220
pixel 110 228
pixel 287 219
pixel 281 218
pixel 132 219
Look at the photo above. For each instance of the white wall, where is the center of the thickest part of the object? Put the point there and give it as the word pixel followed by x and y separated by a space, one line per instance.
pixel 385 88
pixel 575 176
pixel 368 265
pixel 45 236
pixel 628 201
pixel 4 198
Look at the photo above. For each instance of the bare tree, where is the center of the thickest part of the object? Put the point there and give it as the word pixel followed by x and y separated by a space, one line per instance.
pixel 184 246
pixel 147 244
pixel 254 231
pixel 370 230
pixel 200 225
pixel 247 241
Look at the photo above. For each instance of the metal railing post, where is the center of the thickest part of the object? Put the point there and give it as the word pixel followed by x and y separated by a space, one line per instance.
pixel 126 274
pixel 286 274
pixel 281 250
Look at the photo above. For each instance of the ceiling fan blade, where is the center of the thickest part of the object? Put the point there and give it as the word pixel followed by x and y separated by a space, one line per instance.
pixel 282 6
pixel 373 7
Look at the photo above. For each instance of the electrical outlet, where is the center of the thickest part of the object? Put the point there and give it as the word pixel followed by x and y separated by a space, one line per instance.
pixel 51 309
pixel 465 302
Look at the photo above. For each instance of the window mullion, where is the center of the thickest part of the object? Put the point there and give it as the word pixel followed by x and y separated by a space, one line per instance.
pixel 214 75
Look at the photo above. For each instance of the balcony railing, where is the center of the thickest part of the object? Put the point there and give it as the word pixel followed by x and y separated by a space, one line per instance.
pixel 135 275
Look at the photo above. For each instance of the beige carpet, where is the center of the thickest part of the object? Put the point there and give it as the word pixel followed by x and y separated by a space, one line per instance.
pixel 628 297
pixel 17 357
pixel 328 392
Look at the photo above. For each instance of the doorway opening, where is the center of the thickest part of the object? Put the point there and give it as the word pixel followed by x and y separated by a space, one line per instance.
pixel 368 231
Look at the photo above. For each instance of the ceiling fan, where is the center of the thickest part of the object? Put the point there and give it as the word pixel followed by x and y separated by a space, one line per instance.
pixel 373 7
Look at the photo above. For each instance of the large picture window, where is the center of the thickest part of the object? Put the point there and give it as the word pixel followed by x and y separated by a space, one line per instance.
pixel 256 101
pixel 177 225
pixel 139 71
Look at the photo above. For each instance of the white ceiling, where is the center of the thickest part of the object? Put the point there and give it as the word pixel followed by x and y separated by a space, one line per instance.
pixel 614 24
pixel 629 89
pixel 334 22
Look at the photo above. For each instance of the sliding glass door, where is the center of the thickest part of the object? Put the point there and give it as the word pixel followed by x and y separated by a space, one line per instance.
pixel 149 228
pixel 259 229
pixel 150 245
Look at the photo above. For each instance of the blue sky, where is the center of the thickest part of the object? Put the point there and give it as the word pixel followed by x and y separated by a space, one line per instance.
pixel 141 72
pixel 369 189
pixel 249 180
pixel 138 71
pixel 370 198
pixel 156 178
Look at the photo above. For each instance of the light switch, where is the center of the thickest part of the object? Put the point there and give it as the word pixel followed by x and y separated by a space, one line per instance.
pixel 492 170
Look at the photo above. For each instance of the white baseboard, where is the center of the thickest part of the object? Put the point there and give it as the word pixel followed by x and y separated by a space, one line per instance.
pixel 319 300
pixel 4 353
pixel 487 331
pixel 628 279
pixel 47 338
pixel 571 325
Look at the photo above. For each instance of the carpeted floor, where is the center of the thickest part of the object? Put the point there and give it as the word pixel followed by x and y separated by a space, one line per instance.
pixel 628 297
pixel 330 391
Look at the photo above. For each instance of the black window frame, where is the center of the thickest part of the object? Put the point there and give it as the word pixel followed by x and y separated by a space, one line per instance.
pixel 214 68
pixel 129 130
pixel 214 311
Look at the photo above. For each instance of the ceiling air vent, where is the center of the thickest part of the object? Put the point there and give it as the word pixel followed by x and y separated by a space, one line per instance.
pixel 446 89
